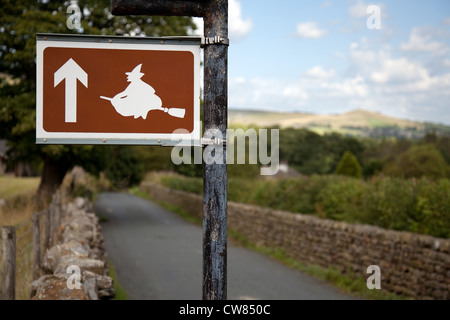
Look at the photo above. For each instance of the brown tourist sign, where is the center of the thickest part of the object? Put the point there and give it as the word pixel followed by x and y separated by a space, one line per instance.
pixel 117 90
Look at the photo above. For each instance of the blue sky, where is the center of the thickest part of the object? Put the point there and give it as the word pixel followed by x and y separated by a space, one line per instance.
pixel 320 57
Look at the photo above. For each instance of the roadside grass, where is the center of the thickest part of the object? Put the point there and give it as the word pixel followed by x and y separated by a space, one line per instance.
pixel 19 199
pixel 17 210
pixel 19 204
pixel 121 294
pixel 11 186
pixel 346 283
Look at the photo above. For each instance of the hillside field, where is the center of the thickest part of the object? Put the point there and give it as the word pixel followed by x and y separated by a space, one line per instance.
pixel 357 122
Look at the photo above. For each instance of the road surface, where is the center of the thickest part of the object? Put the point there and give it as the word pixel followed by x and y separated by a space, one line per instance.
pixel 158 255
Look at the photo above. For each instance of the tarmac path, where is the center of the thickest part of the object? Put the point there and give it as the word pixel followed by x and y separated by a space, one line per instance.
pixel 158 255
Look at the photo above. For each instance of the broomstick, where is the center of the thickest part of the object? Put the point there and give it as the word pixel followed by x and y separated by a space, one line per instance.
pixel 174 112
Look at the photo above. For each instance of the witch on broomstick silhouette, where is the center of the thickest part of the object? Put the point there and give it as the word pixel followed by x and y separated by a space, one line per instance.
pixel 139 98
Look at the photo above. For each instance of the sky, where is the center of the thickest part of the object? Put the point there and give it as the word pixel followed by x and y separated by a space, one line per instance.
pixel 333 56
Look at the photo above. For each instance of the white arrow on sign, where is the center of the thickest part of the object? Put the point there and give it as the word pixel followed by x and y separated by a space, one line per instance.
pixel 71 71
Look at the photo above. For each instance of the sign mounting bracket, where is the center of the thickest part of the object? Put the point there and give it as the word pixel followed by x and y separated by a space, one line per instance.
pixel 214 40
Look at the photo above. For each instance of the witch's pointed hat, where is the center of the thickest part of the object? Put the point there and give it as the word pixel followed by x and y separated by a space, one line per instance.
pixel 136 71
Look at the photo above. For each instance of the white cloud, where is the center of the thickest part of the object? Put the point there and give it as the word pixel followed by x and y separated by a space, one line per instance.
pixel 386 71
pixel 347 88
pixel 238 27
pixel 199 24
pixel 263 93
pixel 402 71
pixel 397 84
pixel 447 20
pixel 310 30
pixel 239 80
pixel 421 40
pixel 326 4
pixel 358 10
pixel 296 92
pixel 319 72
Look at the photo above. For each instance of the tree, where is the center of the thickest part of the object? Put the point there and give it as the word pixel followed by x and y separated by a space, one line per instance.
pixel 418 161
pixel 304 150
pixel 349 166
pixel 20 20
pixel 309 152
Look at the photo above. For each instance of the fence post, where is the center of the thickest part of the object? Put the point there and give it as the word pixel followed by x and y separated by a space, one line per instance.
pixel 36 246
pixel 46 230
pixel 8 262
pixel 51 223
pixel 62 201
pixel 57 217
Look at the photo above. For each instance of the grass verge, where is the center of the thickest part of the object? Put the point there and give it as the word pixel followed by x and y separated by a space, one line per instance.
pixel 121 294
pixel 18 199
pixel 11 186
pixel 352 285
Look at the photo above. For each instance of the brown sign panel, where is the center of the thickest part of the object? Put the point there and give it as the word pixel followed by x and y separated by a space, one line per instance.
pixel 117 90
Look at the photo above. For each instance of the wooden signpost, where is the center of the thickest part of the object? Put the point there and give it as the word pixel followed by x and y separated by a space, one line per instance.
pixel 215 16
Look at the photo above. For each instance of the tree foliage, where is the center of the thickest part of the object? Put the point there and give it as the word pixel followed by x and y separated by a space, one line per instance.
pixel 309 152
pixel 349 166
pixel 418 161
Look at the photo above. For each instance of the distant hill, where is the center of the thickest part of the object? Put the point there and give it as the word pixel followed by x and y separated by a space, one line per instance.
pixel 357 122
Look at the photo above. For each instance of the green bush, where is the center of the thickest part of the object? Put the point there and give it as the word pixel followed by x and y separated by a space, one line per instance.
pixel 418 161
pixel 389 203
pixel 340 199
pixel 241 190
pixel 188 184
pixel 415 205
pixel 433 208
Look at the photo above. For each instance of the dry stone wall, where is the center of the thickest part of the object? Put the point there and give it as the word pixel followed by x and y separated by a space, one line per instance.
pixel 79 244
pixel 411 265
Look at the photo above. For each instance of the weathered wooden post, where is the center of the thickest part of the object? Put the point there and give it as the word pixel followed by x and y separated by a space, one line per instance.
pixel 8 263
pixel 51 220
pixel 55 218
pixel 58 210
pixel 36 243
pixel 215 15
pixel 46 229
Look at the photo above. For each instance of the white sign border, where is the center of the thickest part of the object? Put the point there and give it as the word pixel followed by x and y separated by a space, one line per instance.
pixel 191 44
